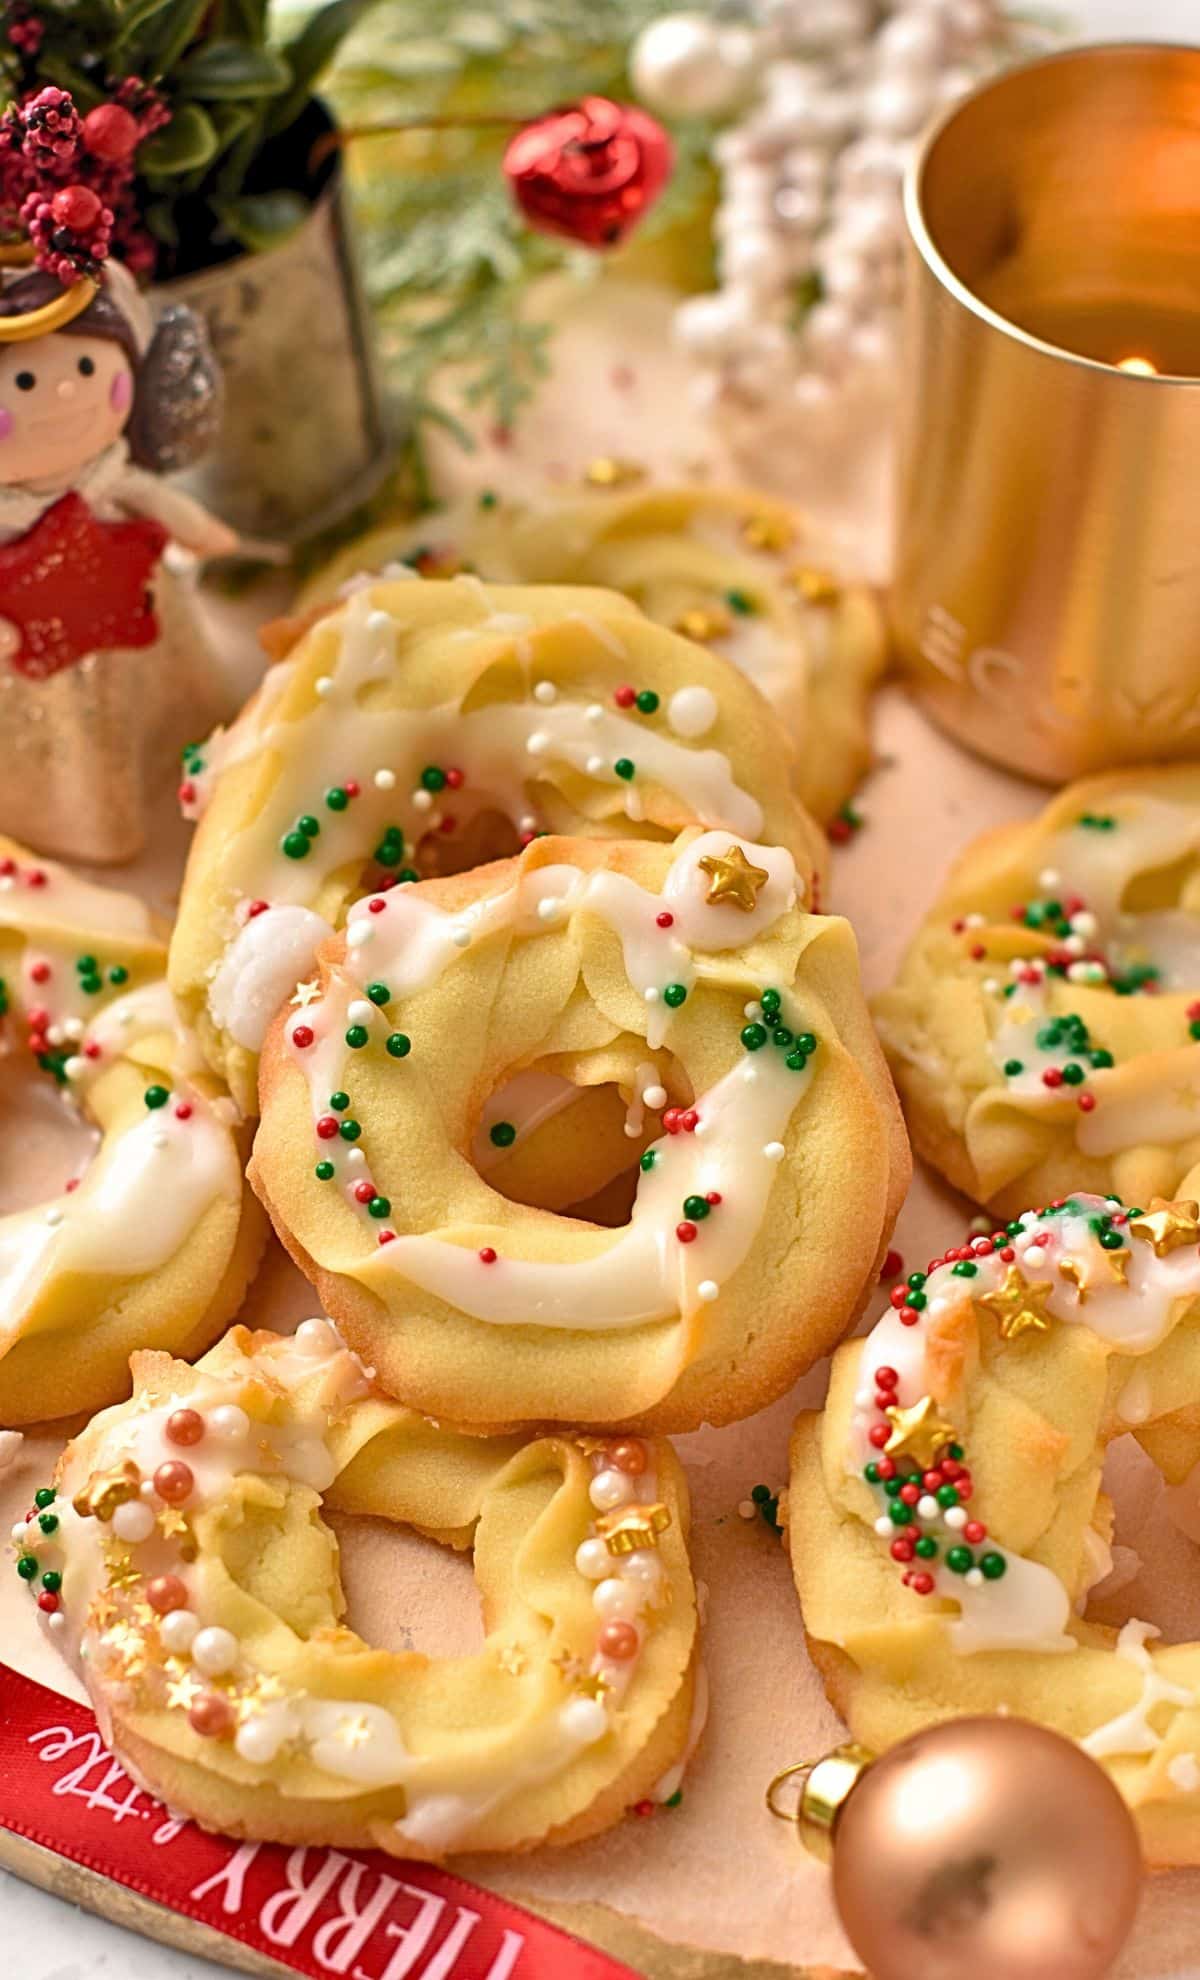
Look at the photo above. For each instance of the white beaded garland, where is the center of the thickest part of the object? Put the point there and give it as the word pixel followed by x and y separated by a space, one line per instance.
pixel 592 1558
pixel 177 1631
pixel 615 1600
pixel 610 1489
pixel 584 1720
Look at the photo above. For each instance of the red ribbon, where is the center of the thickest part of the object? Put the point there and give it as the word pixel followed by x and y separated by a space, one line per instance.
pixel 360 1916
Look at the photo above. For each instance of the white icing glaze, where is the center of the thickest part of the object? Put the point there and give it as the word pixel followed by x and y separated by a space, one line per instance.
pixel 261 967
pixel 1130 1731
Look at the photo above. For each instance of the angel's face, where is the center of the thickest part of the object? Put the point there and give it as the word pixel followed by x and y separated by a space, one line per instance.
pixel 63 400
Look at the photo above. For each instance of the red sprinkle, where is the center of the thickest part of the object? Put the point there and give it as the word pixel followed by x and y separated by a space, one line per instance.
pixel 712 1196
pixel 957 925
pixel 387 1237
pixel 183 1111
pixel 887 1378
pixel 909 1494
pixel 8 866
pixel 448 824
pixel 887 1467
pixel 364 1192
pixel 35 877
pixel 41 972
pixel 1085 1102
pixel 672 1119
pixel 302 1036
pixel 839 830
pixel 376 906
pixel 878 1434
pixel 665 920
pixel 624 696
pixel 902 1550
pixel 689 1120
pixel 899 1295
pixel 256 908
pixel 487 1255
pixel 644 1808
pixel 909 1316
pixel 892 1266
pixel 977 952
pixel 686 1233
pixel 47 1602
pixel 186 792
pixel 352 787
pixel 91 1050
pixel 974 1531
pixel 327 1126
pixel 1052 1077
pixel 1008 1254
pixel 922 1584
pixel 455 779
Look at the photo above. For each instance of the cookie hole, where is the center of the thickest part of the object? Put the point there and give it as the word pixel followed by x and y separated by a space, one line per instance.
pixel 1160 887
pixel 45 1143
pixel 548 1143
pixel 404 1592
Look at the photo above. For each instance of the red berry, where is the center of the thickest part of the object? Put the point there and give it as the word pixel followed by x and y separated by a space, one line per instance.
pixel 76 207
pixel 109 132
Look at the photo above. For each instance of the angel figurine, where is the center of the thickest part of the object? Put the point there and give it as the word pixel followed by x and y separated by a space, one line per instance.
pixel 104 668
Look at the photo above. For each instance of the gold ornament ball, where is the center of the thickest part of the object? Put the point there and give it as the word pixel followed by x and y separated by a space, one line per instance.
pixel 986 1849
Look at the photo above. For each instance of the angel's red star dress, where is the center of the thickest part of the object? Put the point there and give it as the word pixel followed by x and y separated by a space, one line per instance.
pixel 74 584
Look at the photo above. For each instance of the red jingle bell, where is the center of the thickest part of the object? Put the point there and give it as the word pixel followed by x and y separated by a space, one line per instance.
pixel 589 171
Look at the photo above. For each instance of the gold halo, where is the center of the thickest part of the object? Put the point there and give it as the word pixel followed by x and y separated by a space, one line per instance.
pixel 51 316
pixel 16 254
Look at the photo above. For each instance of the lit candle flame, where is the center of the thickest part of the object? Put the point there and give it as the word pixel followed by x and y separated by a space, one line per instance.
pixel 1140 367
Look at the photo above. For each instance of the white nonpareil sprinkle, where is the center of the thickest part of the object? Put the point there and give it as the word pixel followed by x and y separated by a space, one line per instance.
pixel 545 692
pixel 359 934
pixel 655 1097
pixel 708 1290
pixel 774 1151
pixel 461 937
pixel 549 907
pixel 360 1011
pixel 422 800
pixel 384 780
pixel 538 743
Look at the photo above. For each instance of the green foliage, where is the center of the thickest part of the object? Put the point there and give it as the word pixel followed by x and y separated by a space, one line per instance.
pixel 231 168
pixel 449 261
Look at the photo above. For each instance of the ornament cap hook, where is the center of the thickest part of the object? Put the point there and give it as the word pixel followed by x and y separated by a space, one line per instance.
pixel 826 1785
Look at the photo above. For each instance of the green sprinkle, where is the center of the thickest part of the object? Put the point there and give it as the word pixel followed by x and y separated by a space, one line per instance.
pixel 48 1521
pixel 918 1300
pixel 947 1495
pixel 389 852
pixel 407 874
pixel 956 1450
pixel 1013 1066
pixel 156 1096
pixel 899 1512
pixel 310 826
pixel 52 1581
pixel 433 779
pixel 964 1269
pixel 44 1496
pixel 754 1036
pixel 741 603
pixel 118 973
pixel 488 498
pixel 356 1037
pixel 770 1000
pixel 296 846
pixel 696 1208
pixel 992 1566
pixel 674 1800
pixel 27 1566
pixel 648 1160
pixel 1101 1059
pixel 91 984
pixel 399 1044
pixel 1112 1241
pixel 379 993
pixel 624 767
pixel 86 965
pixel 349 1130
pixel 916 1280
pixel 647 701
pixel 806 1042
pixel 796 1061
pixel 960 1560
pixel 871 1473
pixel 503 1134
pixel 926 1547
pixel 336 798
pixel 339 1101
pixel 379 1206
pixel 780 1035
pixel 1073 1073
pixel 674 995
pixel 324 1171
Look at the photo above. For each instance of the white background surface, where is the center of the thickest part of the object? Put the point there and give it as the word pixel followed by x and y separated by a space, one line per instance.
pixel 47 1940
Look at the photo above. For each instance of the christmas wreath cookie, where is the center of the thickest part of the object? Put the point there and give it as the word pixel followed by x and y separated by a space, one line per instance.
pixel 728 567
pixel 180 1560
pixel 424 727
pixel 947 1516
pixel 1043 1027
pixel 152 1242
pixel 598 1134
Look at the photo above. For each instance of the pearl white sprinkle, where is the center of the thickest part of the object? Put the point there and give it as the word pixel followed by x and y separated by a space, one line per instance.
pixel 753 1011
pixel 955 1516
pixel 55 1034
pixel 708 1290
pixel 73 1027
pixel 56 1622
pixel 593 712
pixel 74 1067
pixel 594 766
pixel 651 995
pixel 228 1421
pixel 214 1650
pixel 527 823
pixel 315 1337
pixel 360 1011
pixel 643 1566
pixel 177 1630
pixel 884 1528
pixel 927 1506
pixel 323 686
pixel 422 800
pixel 1049 877
pixel 1035 1257
pixel 538 743
pixel 259 1739
pixel 584 1720
pixel 548 908
pixel 133 1521
pixel 655 1097
pixel 545 692
pixel 356 1158
pixel 593 1559
pixel 54 1218
pixel 774 1151
pixel 974 1578
pixel 461 937
pixel 359 934
pixel 378 622
pixel 384 780
pixel 746 1509
pixel 615 1601
pixel 18 1534
pixel 146 1489
pixel 610 1488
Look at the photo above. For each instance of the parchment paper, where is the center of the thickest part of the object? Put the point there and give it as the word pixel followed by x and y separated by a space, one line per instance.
pixel 718 1873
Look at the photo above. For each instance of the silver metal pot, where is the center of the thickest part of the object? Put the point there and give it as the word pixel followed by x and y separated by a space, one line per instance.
pixel 304 438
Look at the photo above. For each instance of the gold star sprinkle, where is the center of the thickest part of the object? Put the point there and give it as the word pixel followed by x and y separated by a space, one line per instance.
pixel 1018 1305
pixel 1168 1225
pixel 106 1490
pixel 121 1571
pixel 354 1732
pixel 766 532
pixel 607 471
pixel 918 1432
pixel 567 1665
pixel 733 879
pixel 512 1658
pixel 306 994
pixel 815 587
pixel 183 1691
pixel 102 1610
pixel 594 1685
pixel 629 1528
pixel 704 623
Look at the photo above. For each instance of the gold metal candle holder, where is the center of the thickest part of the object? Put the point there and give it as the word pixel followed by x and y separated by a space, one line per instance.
pixel 1046 603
